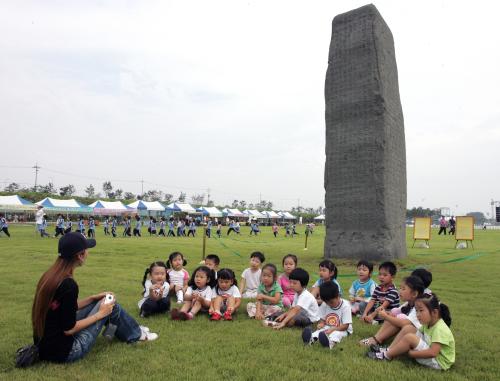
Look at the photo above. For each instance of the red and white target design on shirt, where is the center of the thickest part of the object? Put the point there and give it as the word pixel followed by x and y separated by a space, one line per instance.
pixel 333 320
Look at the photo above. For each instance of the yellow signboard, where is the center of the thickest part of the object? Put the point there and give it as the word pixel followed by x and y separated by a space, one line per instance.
pixel 422 228
pixel 465 228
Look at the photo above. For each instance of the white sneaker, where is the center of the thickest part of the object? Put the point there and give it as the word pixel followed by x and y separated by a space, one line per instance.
pixel 147 336
pixel 144 328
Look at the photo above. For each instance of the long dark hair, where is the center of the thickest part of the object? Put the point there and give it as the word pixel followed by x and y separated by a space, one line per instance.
pixel 210 276
pixel 327 264
pixel 46 289
pixel 174 255
pixel 150 269
pixel 431 302
pixel 415 284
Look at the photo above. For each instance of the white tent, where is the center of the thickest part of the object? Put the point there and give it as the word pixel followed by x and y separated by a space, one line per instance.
pixel 210 211
pixel 181 207
pixel 154 206
pixel 287 216
pixel 232 213
pixel 321 217
pixel 111 208
pixel 15 203
pixel 63 206
pixel 270 214
pixel 253 213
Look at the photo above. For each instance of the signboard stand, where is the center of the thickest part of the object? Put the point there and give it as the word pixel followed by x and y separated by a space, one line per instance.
pixel 422 230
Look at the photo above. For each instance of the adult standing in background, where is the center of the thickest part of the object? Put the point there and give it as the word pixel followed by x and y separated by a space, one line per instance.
pixel 452 224
pixel 39 218
pixel 442 225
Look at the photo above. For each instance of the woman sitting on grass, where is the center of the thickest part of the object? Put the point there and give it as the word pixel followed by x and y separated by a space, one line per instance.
pixel 65 328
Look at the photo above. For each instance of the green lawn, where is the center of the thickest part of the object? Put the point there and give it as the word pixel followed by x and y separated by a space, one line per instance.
pixel 467 280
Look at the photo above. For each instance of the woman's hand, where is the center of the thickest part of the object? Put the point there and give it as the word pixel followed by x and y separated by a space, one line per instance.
pixel 101 295
pixel 105 309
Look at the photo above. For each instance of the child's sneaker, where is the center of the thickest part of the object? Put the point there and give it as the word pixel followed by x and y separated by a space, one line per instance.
pixel 175 314
pixel 269 323
pixel 377 356
pixel 227 315
pixel 189 316
pixel 307 336
pixel 184 316
pixel 216 316
pixel 323 339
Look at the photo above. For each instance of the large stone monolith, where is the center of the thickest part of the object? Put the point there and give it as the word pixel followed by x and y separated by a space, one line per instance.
pixel 365 171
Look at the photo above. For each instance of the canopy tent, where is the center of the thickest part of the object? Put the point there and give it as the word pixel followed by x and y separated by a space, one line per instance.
pixel 253 213
pixel 232 213
pixel 15 203
pixel 321 217
pixel 52 205
pixel 180 207
pixel 111 208
pixel 270 214
pixel 154 206
pixel 209 211
pixel 287 216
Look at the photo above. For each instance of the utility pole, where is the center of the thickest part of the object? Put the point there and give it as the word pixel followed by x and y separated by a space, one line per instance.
pixel 208 196
pixel 36 167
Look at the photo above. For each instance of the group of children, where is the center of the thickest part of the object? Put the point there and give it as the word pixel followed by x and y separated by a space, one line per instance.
pixel 420 326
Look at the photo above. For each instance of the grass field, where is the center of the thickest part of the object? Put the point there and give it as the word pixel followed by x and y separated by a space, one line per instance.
pixel 467 280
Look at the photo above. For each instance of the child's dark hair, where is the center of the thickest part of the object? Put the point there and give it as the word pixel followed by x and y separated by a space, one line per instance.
pixel 259 255
pixel 367 264
pixel 213 257
pixel 174 255
pixel 424 275
pixel 328 291
pixel 301 275
pixel 416 284
pixel 210 276
pixel 293 257
pixel 327 264
pixel 226 274
pixel 389 266
pixel 431 302
pixel 272 268
pixel 150 269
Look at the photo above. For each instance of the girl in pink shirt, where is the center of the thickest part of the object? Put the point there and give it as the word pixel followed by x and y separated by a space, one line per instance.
pixel 289 264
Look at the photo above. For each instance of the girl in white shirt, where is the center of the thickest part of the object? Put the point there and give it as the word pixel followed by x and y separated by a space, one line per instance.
pixel 198 295
pixel 155 294
pixel 177 275
pixel 226 297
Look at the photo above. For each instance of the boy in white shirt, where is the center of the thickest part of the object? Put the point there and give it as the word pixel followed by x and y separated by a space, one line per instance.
pixel 336 318
pixel 305 310
pixel 250 279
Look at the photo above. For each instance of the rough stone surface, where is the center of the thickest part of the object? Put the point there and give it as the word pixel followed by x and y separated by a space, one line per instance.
pixel 365 171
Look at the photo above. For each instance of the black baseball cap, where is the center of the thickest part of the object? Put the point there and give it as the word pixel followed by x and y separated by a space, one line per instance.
pixel 72 243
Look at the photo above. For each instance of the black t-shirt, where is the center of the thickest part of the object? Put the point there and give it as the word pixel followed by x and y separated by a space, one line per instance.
pixel 61 316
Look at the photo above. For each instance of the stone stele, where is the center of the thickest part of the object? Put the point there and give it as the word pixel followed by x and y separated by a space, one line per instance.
pixel 365 170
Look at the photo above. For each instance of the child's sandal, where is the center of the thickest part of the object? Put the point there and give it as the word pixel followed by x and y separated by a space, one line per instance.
pixel 369 341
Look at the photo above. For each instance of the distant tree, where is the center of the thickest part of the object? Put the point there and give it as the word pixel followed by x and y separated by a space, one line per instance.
pixel 90 191
pixel 479 217
pixel 182 197
pixel 250 206
pixel 67 191
pixel 49 188
pixel 128 196
pixel 198 199
pixel 242 205
pixel 108 189
pixel 119 194
pixel 153 195
pixel 12 187
pixel 210 203
pixel 269 205
pixel 168 198
pixel 235 204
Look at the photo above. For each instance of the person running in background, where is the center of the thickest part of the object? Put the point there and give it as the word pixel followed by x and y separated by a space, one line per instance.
pixel 4 225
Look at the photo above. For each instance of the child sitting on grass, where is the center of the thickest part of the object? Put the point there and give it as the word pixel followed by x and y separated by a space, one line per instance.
pixel 177 275
pixel 268 295
pixel 385 296
pixel 155 296
pixel 289 264
pixel 362 288
pixel 212 261
pixel 305 310
pixel 198 295
pixel 327 272
pixel 433 345
pixel 250 279
pixel 226 297
pixel 335 318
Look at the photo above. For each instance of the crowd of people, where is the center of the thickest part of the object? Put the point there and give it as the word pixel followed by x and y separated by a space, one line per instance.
pixel 65 328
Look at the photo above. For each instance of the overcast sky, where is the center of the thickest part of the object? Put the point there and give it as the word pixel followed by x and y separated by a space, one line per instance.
pixel 229 95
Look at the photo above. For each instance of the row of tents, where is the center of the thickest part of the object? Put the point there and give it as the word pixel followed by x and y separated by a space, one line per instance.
pixel 101 208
